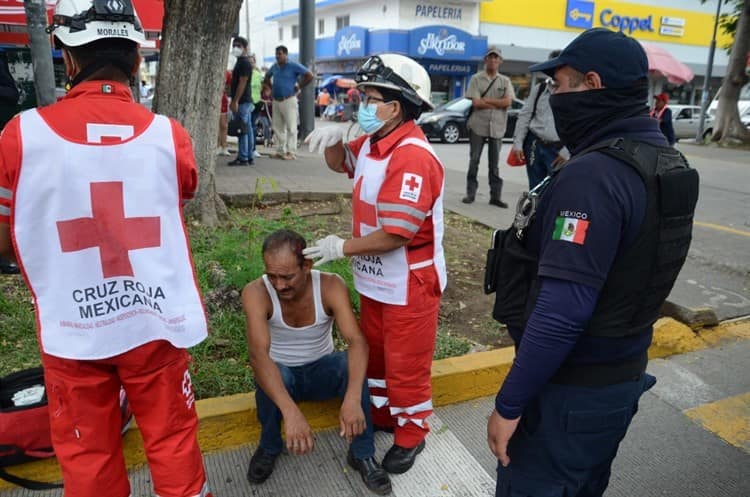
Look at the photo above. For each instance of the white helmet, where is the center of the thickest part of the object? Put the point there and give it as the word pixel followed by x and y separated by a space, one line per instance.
pixel 397 72
pixel 78 22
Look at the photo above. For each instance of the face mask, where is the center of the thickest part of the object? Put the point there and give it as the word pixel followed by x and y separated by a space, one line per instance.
pixel 237 51
pixel 579 115
pixel 368 121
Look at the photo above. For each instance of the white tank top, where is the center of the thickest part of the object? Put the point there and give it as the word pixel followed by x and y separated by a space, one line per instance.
pixel 299 346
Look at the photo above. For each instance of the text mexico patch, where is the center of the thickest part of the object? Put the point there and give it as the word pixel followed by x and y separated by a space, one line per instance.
pixel 570 229
pixel 411 186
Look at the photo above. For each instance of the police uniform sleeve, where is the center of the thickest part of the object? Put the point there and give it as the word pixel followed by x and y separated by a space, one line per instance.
pixel 593 210
pixel 186 167
pixel 10 162
pixel 408 191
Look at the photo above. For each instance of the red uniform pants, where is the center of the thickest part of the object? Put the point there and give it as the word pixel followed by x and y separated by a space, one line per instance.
pixel 402 342
pixel 85 420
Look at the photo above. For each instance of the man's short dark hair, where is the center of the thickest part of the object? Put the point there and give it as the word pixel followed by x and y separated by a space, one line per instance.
pixel 286 238
pixel 121 52
pixel 282 49
pixel 242 41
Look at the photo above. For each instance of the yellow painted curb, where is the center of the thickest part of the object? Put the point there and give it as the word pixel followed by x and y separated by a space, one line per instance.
pixel 728 418
pixel 229 422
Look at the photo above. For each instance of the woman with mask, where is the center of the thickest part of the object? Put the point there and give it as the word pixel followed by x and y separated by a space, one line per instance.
pixel 396 248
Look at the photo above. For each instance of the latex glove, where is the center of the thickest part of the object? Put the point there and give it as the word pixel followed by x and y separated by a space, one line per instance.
pixel 322 138
pixel 328 249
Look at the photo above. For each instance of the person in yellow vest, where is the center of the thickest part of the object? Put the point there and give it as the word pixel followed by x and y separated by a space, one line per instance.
pixel 90 196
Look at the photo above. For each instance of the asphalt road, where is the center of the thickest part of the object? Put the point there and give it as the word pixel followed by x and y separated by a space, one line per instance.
pixel 717 272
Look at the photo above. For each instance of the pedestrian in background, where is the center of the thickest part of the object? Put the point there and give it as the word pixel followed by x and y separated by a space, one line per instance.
pixel 242 101
pixel 583 273
pixel 224 116
pixel 286 78
pixel 491 94
pixel 663 114
pixel 535 140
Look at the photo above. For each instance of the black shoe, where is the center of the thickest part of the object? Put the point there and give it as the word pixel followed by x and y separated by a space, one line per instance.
pixel 7 267
pixel 238 162
pixel 386 429
pixel 399 460
pixel 261 466
pixel 251 162
pixel 498 202
pixel 375 478
pixel 467 200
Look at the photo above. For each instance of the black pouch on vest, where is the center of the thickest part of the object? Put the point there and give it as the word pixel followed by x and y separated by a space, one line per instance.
pixel 513 274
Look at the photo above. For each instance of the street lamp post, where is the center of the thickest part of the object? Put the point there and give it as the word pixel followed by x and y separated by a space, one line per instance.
pixel 706 81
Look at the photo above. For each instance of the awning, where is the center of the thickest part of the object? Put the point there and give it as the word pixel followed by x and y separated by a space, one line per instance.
pixel 13 19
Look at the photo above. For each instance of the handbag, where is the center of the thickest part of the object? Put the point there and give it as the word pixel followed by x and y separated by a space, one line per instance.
pixel 513 160
pixel 237 126
pixel 24 424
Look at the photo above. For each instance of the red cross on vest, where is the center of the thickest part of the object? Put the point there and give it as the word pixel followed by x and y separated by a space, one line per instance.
pixel 412 183
pixel 109 230
pixel 362 212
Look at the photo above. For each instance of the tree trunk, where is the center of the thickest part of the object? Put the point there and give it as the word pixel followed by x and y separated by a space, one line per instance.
pixel 194 51
pixel 728 128
pixel 41 51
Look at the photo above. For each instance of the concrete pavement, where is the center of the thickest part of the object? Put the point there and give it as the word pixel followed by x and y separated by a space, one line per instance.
pixel 677 446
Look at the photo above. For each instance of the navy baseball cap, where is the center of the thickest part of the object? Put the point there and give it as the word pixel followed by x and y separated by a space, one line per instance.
pixel 618 59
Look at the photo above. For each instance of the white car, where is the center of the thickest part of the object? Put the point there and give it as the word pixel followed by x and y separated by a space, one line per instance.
pixel 686 120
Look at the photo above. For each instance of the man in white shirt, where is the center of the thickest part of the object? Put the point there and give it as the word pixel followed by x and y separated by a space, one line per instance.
pixel 290 312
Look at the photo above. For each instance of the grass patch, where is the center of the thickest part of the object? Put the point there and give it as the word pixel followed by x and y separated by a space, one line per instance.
pixel 226 258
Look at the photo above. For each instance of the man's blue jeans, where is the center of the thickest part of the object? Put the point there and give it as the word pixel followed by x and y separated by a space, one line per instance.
pixel 247 141
pixel 539 158
pixel 323 379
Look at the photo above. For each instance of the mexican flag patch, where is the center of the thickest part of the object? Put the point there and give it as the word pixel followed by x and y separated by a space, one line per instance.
pixel 570 229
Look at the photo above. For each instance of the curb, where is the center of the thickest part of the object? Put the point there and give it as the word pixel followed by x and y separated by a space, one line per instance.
pixel 250 199
pixel 230 422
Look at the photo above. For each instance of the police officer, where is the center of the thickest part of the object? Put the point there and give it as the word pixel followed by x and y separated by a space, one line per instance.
pixel 397 253
pixel 91 188
pixel 583 273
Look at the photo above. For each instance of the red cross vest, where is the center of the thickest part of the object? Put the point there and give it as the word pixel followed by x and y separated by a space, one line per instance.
pixel 100 238
pixel 385 278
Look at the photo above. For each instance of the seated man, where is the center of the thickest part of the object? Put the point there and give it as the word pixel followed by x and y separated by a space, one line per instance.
pixel 290 312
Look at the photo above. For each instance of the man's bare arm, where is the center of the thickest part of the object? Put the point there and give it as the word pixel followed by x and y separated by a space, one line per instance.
pixel 255 302
pixel 306 79
pixel 336 296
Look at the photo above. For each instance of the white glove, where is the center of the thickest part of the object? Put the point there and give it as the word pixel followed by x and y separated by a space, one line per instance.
pixel 322 138
pixel 328 249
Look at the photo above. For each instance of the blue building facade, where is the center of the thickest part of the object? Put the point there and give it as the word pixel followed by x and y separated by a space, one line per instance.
pixel 449 55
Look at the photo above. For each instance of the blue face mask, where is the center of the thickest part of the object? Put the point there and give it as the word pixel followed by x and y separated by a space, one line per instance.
pixel 367 120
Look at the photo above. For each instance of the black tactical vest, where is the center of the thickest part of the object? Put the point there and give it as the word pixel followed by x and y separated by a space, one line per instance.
pixel 641 277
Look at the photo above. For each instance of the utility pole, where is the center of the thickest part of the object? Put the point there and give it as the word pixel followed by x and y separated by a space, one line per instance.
pixel 41 51
pixel 707 80
pixel 307 59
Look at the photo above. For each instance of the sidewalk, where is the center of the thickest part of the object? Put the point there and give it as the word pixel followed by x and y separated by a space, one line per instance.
pixel 672 448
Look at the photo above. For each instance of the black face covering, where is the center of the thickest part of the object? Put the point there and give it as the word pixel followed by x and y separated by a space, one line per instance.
pixel 580 114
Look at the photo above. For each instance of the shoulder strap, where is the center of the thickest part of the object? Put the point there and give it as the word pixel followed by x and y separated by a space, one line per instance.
pixel 488 87
pixel 23 482
pixel 542 87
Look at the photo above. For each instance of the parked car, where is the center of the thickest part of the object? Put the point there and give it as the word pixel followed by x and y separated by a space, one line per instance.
pixel 686 119
pixel 448 122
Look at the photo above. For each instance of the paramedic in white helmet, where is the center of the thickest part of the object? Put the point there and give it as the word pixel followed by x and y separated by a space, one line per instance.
pixel 396 245
pixel 91 190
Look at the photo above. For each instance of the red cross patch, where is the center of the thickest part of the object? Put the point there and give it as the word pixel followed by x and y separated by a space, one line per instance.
pixel 411 187
pixel 109 230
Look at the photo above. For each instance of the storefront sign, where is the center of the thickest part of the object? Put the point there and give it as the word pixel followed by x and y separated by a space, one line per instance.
pixel 439 42
pixel 350 41
pixel 642 20
pixel 438 11
pixel 448 68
